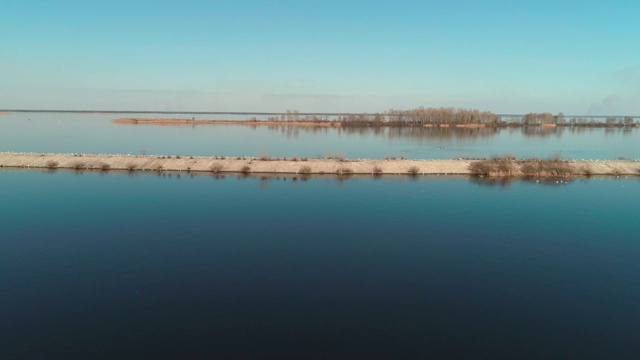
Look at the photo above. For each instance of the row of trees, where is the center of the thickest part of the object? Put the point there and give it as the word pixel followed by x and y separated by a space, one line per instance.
pixel 561 120
pixel 420 116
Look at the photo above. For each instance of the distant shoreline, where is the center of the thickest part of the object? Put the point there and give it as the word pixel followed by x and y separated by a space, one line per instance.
pixel 138 121
pixel 336 166
pixel 355 123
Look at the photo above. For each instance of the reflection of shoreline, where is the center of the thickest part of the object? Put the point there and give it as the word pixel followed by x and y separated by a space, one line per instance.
pixel 506 182
pixel 5 113
pixel 446 133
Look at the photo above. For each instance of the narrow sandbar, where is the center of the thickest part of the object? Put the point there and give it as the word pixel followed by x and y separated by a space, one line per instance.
pixel 139 121
pixel 286 166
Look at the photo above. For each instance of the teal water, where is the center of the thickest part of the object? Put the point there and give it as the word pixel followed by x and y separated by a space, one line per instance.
pixel 116 266
pixel 94 133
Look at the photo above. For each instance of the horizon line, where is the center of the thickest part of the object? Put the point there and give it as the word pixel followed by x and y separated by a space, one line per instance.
pixel 246 113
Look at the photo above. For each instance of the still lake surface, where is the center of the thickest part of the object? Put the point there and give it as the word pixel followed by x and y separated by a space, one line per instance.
pixel 94 133
pixel 117 266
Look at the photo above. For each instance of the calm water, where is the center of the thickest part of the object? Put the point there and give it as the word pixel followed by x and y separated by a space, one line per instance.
pixel 118 266
pixel 48 132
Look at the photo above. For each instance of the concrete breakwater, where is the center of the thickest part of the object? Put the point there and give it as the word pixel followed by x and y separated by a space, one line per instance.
pixel 303 166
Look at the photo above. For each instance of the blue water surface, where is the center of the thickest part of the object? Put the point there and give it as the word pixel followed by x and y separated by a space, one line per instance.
pixel 117 266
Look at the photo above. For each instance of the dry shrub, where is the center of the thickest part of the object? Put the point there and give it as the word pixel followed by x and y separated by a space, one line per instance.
pixel 344 172
pixel 377 171
pixel 78 165
pixel 413 171
pixel 131 166
pixel 530 168
pixel 245 169
pixel 263 156
pixel 507 157
pixel 52 164
pixel 305 170
pixel 550 168
pixel 481 168
pixel 104 167
pixel 556 167
pixel 216 168
pixel 507 166
pixel 496 166
pixel 339 156
pixel 504 166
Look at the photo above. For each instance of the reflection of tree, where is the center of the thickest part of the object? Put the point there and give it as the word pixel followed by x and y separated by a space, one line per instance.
pixel 438 133
pixel 537 131
pixel 506 182
pixel 417 133
pixel 442 133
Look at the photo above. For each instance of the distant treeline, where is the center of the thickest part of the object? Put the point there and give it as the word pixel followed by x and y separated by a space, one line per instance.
pixel 451 117
pixel 561 120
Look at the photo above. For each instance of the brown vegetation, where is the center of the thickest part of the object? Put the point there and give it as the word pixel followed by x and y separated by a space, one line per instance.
pixel 305 170
pixel 508 166
pixel 78 165
pixel 344 172
pixel 216 168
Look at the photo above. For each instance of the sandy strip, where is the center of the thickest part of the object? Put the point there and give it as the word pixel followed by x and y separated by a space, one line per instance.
pixel 254 165
pixel 472 126
pixel 139 121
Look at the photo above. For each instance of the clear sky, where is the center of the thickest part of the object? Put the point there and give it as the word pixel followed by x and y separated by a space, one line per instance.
pixel 578 57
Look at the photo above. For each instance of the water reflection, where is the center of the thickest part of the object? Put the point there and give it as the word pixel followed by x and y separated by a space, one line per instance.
pixel 266 179
pixel 443 133
pixel 506 182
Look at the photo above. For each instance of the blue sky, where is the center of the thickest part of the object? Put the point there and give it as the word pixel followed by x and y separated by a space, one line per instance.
pixel 503 56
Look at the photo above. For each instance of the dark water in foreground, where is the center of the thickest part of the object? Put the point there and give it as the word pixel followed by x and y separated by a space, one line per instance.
pixel 117 266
